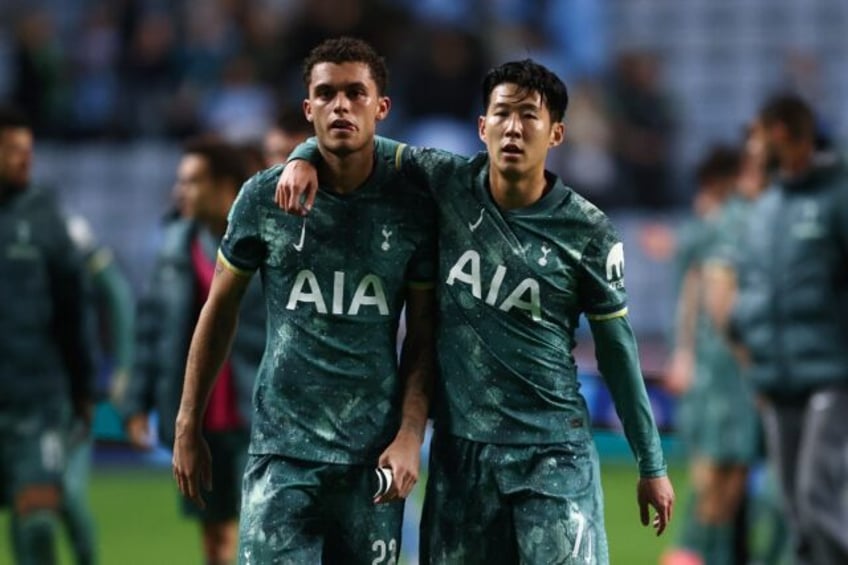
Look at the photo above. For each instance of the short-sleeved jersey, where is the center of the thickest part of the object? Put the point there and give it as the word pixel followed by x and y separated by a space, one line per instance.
pixel 513 285
pixel 334 283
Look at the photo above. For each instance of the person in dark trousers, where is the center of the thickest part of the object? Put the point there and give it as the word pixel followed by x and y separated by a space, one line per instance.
pixel 791 317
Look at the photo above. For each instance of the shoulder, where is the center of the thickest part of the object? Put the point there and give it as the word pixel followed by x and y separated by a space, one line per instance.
pixel 176 237
pixel 582 213
pixel 258 191
pixel 431 159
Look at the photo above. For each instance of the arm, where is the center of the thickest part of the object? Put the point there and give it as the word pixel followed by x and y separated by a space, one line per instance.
pixel 68 289
pixel 679 373
pixel 417 369
pixel 618 362
pixel 210 346
pixel 298 183
pixel 110 282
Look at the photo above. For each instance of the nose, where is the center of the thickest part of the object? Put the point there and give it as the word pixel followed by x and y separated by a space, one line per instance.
pixel 340 103
pixel 513 126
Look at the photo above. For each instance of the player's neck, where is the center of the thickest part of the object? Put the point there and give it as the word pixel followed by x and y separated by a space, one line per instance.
pixel 344 174
pixel 519 192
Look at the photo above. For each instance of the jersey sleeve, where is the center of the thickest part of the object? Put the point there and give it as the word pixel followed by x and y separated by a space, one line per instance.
pixel 422 268
pixel 601 278
pixel 243 248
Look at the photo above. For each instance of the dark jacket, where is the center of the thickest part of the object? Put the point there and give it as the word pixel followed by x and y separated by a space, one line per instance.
pixel 45 348
pixel 792 311
pixel 167 314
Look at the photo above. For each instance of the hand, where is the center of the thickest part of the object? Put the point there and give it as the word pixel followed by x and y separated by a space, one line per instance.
pixel 403 457
pixel 192 464
pixel 659 493
pixel 297 187
pixel 679 372
pixel 138 431
pixel 118 384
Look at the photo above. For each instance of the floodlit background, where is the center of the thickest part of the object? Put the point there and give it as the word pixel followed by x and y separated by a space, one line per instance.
pixel 113 86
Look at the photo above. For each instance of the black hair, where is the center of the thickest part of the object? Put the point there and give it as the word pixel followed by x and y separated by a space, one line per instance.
pixel 11 117
pixel 530 77
pixel 348 50
pixel 793 112
pixel 721 162
pixel 225 161
pixel 291 119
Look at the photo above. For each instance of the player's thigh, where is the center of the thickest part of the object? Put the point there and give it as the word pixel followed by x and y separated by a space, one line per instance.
pixel 280 518
pixel 559 511
pixel 38 444
pixel 359 531
pixel 465 519
pixel 719 488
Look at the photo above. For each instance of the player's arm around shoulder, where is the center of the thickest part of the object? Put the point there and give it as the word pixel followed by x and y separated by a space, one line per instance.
pixel 210 346
pixel 417 371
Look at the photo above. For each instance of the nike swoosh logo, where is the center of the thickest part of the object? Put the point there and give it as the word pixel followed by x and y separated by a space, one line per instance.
pixel 299 245
pixel 479 221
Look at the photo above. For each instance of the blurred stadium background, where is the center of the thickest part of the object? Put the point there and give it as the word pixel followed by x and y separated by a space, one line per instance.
pixel 113 86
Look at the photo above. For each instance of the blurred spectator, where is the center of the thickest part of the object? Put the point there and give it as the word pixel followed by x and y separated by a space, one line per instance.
pixel 151 73
pixel 643 128
pixel 290 128
pixel 444 76
pixel 586 159
pixel 96 82
pixel 239 108
pixel 39 72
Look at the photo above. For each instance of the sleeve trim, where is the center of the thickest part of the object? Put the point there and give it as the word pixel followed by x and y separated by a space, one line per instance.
pixel 399 156
pixel 232 268
pixel 601 317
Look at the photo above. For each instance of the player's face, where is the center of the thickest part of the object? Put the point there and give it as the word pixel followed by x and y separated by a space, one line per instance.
pixel 195 188
pixel 517 130
pixel 16 156
pixel 344 106
pixel 279 144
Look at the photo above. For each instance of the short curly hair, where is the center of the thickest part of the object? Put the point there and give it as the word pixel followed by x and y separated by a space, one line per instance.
pixel 348 50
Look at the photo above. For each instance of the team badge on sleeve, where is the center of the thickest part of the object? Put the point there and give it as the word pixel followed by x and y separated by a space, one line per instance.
pixel 615 266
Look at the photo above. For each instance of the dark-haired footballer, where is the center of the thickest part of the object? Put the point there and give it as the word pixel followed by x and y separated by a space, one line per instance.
pixel 514 474
pixel 331 401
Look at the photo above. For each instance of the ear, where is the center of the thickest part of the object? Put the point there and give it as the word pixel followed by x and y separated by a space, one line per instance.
pixel 557 134
pixel 481 128
pixel 384 104
pixel 307 110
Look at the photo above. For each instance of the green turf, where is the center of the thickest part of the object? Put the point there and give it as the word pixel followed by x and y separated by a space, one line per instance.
pixel 139 522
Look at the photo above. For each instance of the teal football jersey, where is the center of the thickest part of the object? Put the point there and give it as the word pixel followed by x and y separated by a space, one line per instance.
pixel 513 285
pixel 334 283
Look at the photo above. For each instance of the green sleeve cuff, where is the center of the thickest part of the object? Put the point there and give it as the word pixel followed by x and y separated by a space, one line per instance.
pixel 618 362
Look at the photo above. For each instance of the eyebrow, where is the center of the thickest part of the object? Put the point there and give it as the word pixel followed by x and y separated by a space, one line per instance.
pixel 521 106
pixel 343 86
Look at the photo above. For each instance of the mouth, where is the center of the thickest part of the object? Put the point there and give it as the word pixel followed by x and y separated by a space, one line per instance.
pixel 512 150
pixel 342 125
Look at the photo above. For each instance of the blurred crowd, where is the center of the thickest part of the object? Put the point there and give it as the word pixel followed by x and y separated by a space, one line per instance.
pixel 165 70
